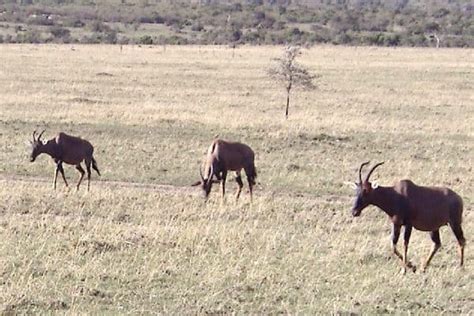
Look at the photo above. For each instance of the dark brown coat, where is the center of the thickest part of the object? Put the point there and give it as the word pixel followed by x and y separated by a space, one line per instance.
pixel 68 149
pixel 223 156
pixel 410 205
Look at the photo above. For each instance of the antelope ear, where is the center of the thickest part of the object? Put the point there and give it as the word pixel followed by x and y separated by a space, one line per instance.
pixel 351 184
pixel 196 183
pixel 375 185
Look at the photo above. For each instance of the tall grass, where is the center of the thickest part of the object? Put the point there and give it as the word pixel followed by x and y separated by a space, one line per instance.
pixel 131 245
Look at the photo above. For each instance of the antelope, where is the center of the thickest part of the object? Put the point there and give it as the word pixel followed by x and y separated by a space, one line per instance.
pixel 410 205
pixel 68 149
pixel 223 156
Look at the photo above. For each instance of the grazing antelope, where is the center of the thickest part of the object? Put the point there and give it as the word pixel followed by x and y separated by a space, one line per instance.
pixel 410 205
pixel 69 149
pixel 223 156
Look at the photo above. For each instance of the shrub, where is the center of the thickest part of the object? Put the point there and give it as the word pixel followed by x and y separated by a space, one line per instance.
pixel 30 36
pixel 154 17
pixel 342 38
pixel 235 35
pixel 176 40
pixel 9 39
pixel 258 17
pixel 73 22
pixel 294 35
pixel 197 27
pixel 319 37
pixel 279 25
pixel 98 26
pixel 268 22
pixel 392 40
pixel 172 20
pixel 110 37
pixel 416 40
pixel 123 40
pixel 145 40
pixel 432 27
pixel 42 19
pixel 95 38
pixel 237 7
pixel 59 32
pixel 338 21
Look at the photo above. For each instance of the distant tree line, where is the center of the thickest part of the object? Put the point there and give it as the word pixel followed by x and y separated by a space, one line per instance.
pixel 446 23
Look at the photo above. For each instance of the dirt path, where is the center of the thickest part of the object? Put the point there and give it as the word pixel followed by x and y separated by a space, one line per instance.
pixel 105 183
pixel 171 189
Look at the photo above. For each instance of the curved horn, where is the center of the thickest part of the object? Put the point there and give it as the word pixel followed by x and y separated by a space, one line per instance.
pixel 360 170
pixel 200 173
pixel 34 133
pixel 39 137
pixel 211 173
pixel 372 170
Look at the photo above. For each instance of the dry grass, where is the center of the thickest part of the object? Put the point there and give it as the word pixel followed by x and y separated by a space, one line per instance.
pixel 134 246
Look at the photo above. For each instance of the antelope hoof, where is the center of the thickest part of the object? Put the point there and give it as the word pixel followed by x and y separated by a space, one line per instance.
pixel 411 266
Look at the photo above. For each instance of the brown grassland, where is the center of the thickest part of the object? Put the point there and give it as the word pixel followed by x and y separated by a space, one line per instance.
pixel 143 241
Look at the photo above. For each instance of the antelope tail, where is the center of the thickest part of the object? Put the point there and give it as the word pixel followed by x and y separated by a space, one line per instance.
pixel 94 166
pixel 252 173
pixel 212 148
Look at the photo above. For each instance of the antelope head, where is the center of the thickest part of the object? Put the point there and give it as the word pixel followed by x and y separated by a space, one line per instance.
pixel 36 146
pixel 364 190
pixel 206 183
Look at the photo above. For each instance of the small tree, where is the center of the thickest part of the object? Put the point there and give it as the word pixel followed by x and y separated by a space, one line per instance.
pixel 291 74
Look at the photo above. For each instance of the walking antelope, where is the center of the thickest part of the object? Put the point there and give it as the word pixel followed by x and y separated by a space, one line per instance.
pixel 68 149
pixel 410 205
pixel 223 156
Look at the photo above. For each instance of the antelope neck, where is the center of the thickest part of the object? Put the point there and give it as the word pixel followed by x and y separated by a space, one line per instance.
pixel 386 199
pixel 49 148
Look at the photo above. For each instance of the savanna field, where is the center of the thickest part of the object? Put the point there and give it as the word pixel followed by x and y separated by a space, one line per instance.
pixel 142 240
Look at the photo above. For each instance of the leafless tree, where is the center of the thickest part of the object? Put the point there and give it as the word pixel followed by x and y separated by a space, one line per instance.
pixel 290 73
